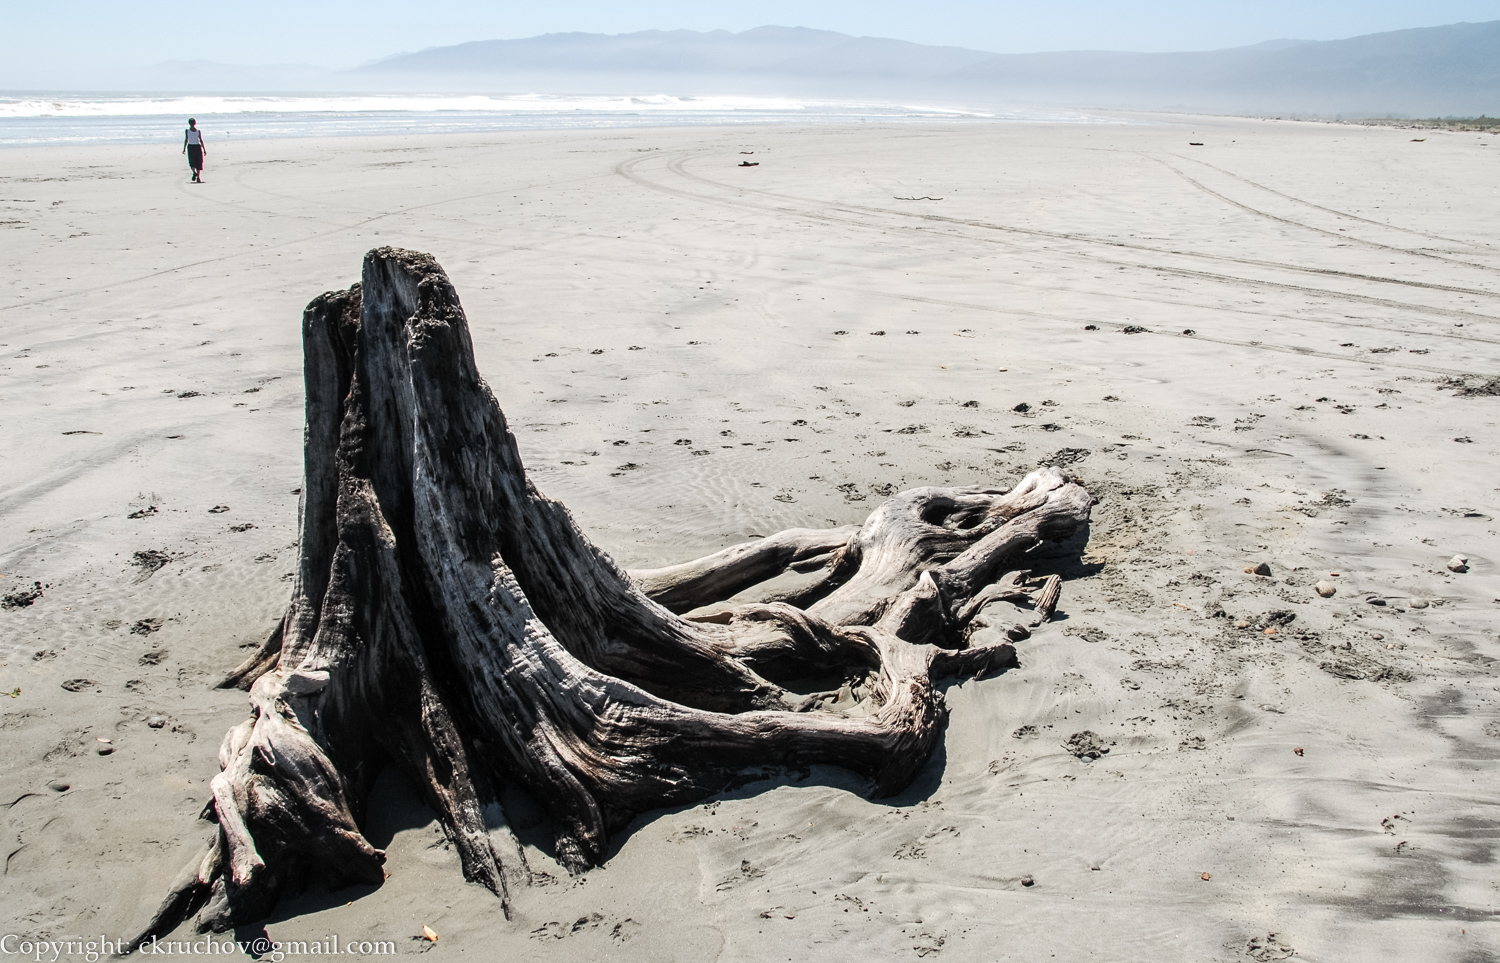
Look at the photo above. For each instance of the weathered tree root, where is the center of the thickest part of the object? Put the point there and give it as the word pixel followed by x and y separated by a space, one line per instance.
pixel 452 621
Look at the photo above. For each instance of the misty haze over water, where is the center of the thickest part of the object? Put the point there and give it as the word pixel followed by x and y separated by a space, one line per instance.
pixel 769 75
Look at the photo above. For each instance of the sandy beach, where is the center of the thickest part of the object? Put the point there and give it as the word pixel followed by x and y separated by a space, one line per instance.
pixel 1250 340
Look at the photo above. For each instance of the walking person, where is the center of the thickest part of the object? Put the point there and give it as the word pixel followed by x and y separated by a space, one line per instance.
pixel 192 146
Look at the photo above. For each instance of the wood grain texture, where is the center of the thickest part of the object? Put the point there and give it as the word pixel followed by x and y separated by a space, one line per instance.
pixel 452 621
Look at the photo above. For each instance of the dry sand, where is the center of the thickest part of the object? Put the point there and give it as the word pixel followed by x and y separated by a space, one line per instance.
pixel 692 353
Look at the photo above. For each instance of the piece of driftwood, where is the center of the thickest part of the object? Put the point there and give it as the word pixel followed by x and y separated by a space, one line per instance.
pixel 452 621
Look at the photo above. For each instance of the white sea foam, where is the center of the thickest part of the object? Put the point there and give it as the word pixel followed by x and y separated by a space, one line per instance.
pixel 33 120
pixel 351 104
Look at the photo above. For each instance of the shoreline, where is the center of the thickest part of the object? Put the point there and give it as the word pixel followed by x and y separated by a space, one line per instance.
pixel 82 119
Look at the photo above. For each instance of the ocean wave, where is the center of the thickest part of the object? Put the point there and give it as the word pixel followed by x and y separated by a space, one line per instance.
pixel 355 104
pixel 81 119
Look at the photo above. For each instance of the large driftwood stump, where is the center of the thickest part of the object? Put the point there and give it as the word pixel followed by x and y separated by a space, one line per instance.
pixel 452 621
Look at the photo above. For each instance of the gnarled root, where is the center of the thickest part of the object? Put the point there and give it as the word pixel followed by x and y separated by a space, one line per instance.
pixel 450 620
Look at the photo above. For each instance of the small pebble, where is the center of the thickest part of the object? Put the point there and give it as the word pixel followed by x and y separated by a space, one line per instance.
pixel 1458 563
pixel 1027 881
pixel 106 750
pixel 1271 630
pixel 156 722
pixel 1242 624
pixel 1206 876
pixel 1375 600
pixel 1298 750
pixel 1326 589
pixel 1260 568
pixel 1416 603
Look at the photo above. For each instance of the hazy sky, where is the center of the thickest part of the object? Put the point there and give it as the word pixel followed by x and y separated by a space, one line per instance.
pixel 44 39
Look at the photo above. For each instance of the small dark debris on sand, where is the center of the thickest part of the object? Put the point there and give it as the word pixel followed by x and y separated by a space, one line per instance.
pixel 218 509
pixel 145 627
pixel 1064 457
pixel 23 598
pixel 80 685
pixel 1133 329
pixel 149 561
pixel 1350 664
pixel 1087 745
pixel 1276 618
pixel 143 512
pixel 1268 947
pixel 242 527
pixel 749 163
pixel 1485 387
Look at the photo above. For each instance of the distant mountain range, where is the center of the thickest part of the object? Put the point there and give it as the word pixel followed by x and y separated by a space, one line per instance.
pixel 762 52
pixel 1433 71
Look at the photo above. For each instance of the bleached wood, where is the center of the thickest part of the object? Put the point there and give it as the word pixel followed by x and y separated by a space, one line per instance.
pixel 452 621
